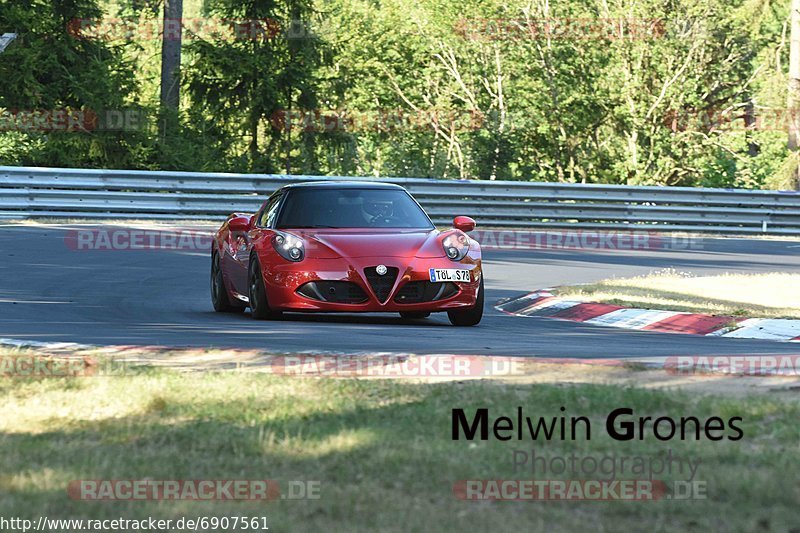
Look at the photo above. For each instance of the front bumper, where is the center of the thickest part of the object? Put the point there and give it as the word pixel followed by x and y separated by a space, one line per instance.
pixel 282 281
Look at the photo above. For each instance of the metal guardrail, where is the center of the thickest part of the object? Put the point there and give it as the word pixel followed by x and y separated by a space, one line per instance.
pixel 117 194
pixel 5 40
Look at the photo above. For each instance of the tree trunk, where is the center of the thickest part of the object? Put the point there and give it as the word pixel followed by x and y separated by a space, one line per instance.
pixel 171 61
pixel 254 119
pixel 750 125
pixel 288 140
pixel 794 86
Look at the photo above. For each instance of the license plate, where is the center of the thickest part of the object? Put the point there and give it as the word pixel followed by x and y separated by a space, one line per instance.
pixel 440 275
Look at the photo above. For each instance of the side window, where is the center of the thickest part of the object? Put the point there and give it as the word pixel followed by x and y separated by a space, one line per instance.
pixel 267 218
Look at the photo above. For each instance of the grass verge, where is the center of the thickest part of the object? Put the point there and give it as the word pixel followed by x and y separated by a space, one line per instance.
pixel 381 450
pixel 771 295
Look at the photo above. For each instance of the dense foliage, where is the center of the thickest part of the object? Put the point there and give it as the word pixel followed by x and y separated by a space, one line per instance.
pixel 673 92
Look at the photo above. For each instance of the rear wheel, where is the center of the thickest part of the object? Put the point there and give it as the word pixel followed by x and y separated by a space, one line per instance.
pixel 219 294
pixel 414 314
pixel 259 305
pixel 469 316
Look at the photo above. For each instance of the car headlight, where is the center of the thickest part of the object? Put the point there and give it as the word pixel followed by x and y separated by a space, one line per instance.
pixel 456 246
pixel 288 246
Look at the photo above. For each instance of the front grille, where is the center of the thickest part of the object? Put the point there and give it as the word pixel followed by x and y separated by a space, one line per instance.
pixel 343 292
pixel 381 285
pixel 415 292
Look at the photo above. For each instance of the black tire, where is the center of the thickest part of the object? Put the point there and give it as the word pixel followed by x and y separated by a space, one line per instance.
pixel 259 306
pixel 414 314
pixel 470 316
pixel 219 295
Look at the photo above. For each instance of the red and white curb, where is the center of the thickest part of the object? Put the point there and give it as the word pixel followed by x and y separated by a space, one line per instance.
pixel 544 303
pixel 17 343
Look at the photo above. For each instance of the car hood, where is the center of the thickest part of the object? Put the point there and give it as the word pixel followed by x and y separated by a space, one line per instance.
pixel 371 243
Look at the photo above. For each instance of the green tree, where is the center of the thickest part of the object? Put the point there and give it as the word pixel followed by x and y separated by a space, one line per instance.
pixel 49 69
pixel 240 85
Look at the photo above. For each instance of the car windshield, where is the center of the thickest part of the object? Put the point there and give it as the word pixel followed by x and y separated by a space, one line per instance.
pixel 352 208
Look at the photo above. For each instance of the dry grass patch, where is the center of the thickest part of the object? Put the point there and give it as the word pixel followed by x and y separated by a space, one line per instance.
pixel 770 295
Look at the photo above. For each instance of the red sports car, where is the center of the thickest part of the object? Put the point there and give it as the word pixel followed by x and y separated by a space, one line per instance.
pixel 346 247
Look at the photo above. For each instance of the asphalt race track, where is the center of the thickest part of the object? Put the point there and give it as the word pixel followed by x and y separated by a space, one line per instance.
pixel 49 292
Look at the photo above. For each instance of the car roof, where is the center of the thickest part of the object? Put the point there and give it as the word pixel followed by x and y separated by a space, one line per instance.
pixel 334 184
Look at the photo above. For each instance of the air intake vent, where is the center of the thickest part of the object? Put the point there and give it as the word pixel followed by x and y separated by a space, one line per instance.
pixel 415 292
pixel 343 292
pixel 381 285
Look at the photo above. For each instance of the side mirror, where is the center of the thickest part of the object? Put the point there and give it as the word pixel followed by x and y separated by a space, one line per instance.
pixel 465 224
pixel 240 223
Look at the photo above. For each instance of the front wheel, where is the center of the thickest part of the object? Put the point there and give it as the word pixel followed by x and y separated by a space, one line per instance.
pixel 469 316
pixel 259 305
